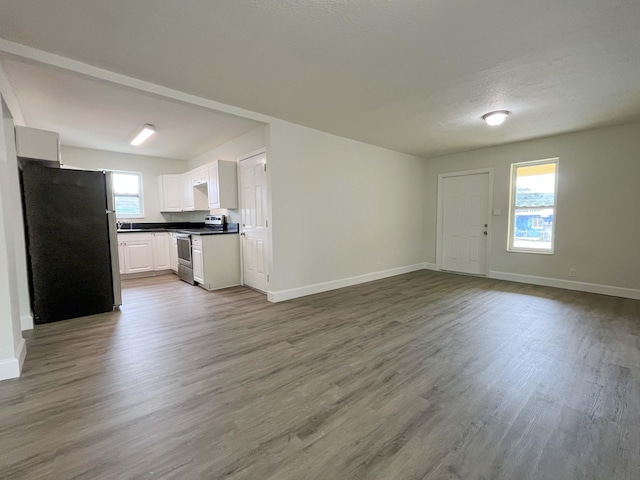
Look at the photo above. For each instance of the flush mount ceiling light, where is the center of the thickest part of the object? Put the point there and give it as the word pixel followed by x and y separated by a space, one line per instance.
pixel 496 118
pixel 146 131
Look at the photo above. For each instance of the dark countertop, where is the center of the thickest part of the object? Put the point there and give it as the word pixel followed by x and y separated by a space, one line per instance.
pixel 183 227
pixel 207 231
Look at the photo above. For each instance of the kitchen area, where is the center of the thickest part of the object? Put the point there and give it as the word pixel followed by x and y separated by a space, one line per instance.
pixel 206 254
pixel 199 240
pixel 182 219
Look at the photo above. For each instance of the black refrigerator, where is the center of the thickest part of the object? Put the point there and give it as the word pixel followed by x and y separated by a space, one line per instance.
pixel 71 242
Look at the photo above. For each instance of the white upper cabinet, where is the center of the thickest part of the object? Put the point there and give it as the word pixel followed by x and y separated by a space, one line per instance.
pixel 195 185
pixel 187 192
pixel 38 144
pixel 214 185
pixel 199 175
pixel 223 184
pixel 170 188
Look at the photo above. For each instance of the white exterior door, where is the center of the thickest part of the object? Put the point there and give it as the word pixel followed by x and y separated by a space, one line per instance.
pixel 465 222
pixel 254 214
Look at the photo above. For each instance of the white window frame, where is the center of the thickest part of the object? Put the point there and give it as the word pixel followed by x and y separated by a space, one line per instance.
pixel 140 195
pixel 512 207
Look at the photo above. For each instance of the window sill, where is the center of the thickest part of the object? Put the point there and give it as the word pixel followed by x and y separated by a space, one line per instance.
pixel 539 252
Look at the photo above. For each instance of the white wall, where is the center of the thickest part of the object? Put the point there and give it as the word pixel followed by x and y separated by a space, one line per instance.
pixel 231 151
pixel 340 209
pixel 150 167
pixel 597 221
pixel 12 346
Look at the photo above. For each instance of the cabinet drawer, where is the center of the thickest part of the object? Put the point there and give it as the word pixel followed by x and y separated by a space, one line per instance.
pixel 133 237
pixel 196 241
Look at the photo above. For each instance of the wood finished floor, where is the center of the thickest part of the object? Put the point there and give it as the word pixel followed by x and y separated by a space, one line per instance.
pixel 421 376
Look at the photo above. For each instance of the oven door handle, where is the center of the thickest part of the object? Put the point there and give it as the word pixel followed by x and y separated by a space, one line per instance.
pixel 183 235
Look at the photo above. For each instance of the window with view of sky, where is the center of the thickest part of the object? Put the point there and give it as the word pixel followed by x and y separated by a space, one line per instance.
pixel 533 205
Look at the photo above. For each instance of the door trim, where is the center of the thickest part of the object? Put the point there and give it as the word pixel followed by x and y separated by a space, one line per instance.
pixel 247 156
pixel 440 214
pixel 259 151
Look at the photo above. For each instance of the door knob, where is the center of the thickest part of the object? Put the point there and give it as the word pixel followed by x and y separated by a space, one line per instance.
pixel 485 232
pixel 243 233
pixel 486 225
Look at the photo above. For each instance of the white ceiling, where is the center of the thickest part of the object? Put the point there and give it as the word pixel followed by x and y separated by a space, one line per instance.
pixel 411 75
pixel 90 113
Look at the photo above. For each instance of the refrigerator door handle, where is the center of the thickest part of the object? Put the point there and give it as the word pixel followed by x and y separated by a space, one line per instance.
pixel 108 180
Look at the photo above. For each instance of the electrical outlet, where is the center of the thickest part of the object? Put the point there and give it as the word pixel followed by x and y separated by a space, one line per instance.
pixel 572 272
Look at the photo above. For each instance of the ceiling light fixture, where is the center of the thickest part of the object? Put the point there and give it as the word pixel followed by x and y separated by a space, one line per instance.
pixel 146 132
pixel 496 118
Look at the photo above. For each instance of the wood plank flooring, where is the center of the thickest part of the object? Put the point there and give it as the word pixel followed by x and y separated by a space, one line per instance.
pixel 421 376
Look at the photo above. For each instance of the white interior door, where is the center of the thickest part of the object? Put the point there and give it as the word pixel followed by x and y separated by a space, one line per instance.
pixel 465 222
pixel 254 214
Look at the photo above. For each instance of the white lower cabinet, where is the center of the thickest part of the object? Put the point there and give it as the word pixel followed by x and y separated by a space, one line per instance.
pixel 143 252
pixel 161 251
pixel 121 255
pixel 197 258
pixel 173 252
pixel 138 256
pixel 216 260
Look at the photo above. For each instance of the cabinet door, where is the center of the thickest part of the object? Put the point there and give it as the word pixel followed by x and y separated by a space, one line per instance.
pixel 198 267
pixel 171 193
pixel 214 191
pixel 138 256
pixel 199 176
pixel 173 253
pixel 187 192
pixel 121 257
pixel 161 254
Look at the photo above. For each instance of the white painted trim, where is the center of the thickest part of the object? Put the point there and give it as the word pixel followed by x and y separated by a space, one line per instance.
pixel 568 285
pixel 11 367
pixel 21 354
pixel 10 99
pixel 26 322
pixel 430 266
pixel 440 212
pixel 102 74
pixel 260 151
pixel 512 207
pixel 282 295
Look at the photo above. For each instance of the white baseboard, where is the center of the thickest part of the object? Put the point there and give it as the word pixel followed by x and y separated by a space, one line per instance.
pixel 26 322
pixel 282 295
pixel 568 284
pixel 11 367
pixel 21 354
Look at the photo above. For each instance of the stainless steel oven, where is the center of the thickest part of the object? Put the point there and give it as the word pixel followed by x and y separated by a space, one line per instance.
pixel 185 262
